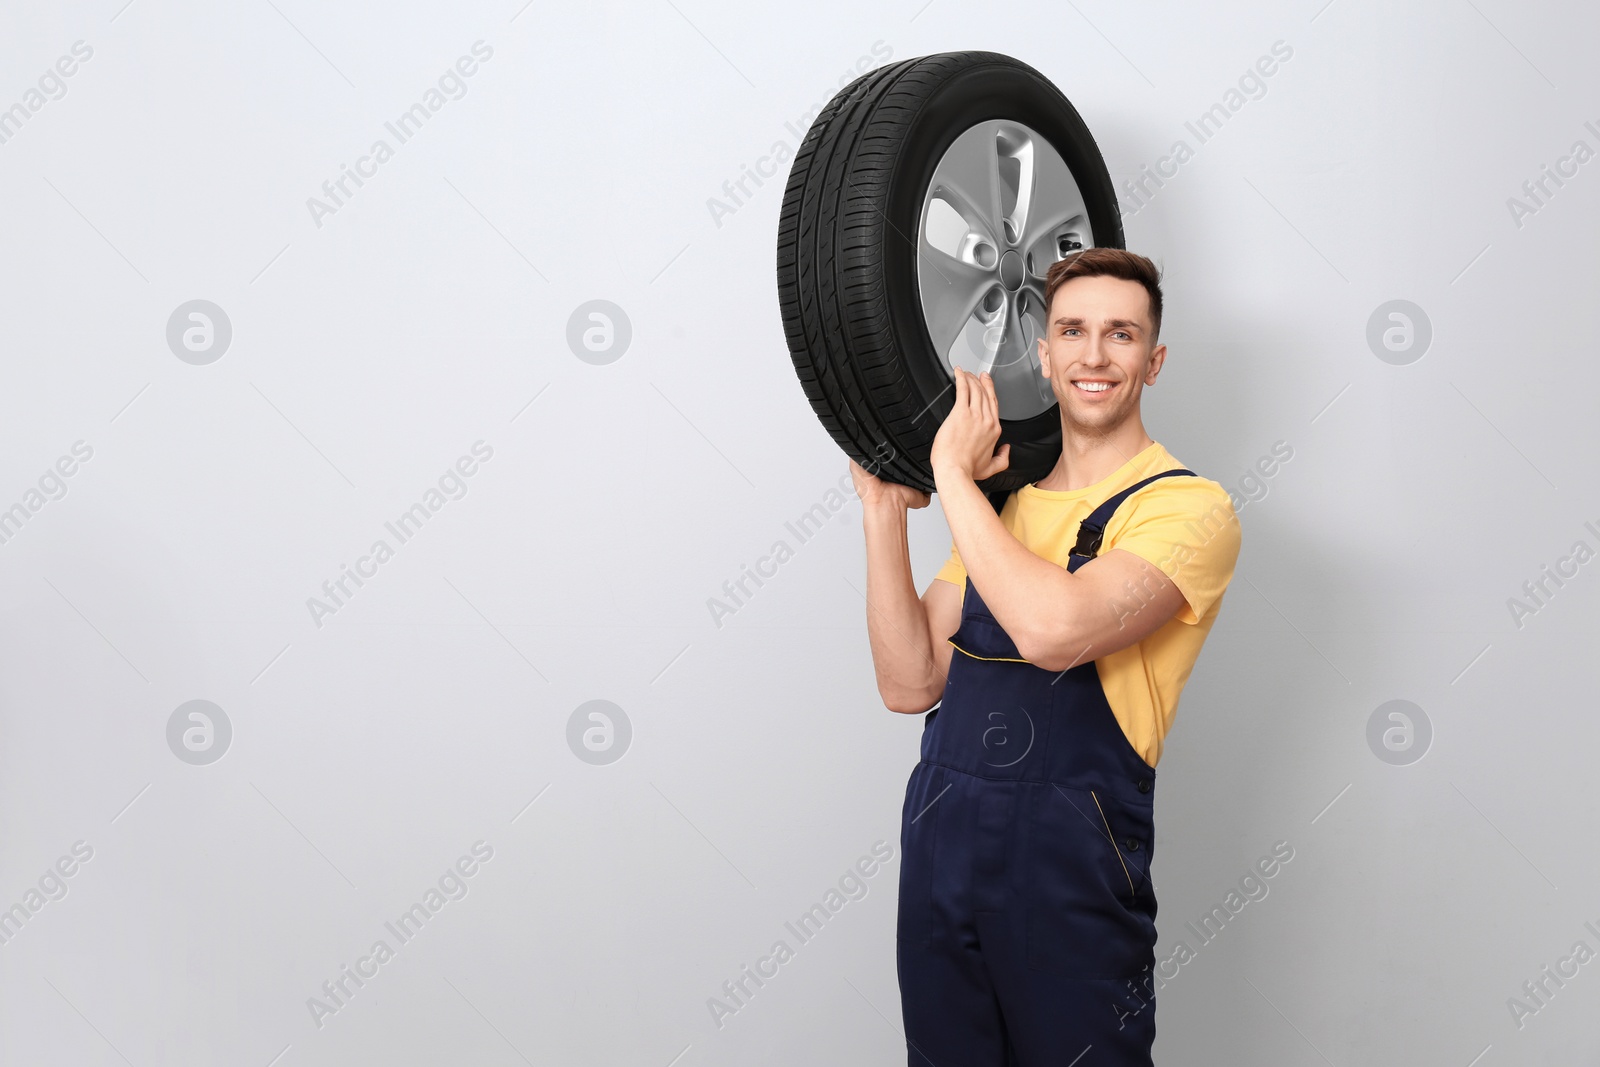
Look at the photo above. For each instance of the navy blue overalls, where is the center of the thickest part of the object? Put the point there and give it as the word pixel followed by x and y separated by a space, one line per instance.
pixel 1026 931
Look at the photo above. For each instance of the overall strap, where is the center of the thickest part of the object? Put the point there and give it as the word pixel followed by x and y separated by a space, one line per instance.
pixel 1093 528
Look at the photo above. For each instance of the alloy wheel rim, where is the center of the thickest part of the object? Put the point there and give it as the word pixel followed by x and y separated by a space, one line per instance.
pixel 1001 209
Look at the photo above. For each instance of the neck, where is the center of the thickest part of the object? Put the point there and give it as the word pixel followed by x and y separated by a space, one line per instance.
pixel 1088 457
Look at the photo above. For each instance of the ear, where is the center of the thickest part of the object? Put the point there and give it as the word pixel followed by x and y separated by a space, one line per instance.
pixel 1158 356
pixel 1044 358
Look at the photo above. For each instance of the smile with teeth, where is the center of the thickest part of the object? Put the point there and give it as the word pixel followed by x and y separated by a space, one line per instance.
pixel 1093 386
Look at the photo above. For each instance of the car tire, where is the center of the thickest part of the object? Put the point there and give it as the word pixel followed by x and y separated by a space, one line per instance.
pixel 903 252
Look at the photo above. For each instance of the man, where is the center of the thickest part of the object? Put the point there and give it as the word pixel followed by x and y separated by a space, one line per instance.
pixel 1026 930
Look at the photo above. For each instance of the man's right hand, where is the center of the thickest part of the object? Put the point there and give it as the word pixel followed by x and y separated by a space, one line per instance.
pixel 875 491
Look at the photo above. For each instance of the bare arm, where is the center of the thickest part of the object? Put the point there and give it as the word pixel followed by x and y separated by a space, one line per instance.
pixel 1057 618
pixel 908 635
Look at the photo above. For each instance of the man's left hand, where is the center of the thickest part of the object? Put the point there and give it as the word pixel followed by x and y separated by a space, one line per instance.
pixel 965 442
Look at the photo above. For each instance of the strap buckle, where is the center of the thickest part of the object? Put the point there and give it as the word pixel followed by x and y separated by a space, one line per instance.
pixel 1089 538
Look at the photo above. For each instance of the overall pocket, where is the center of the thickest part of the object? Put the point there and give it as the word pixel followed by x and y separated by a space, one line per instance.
pixel 1090 910
pixel 980 635
pixel 1131 834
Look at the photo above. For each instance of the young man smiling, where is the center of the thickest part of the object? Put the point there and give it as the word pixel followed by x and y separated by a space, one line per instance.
pixel 1026 930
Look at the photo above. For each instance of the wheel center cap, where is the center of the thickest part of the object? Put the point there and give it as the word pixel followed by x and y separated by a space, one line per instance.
pixel 1011 270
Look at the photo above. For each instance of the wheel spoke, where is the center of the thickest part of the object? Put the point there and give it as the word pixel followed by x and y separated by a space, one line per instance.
pixel 1018 178
pixel 951 292
pixel 975 346
pixel 1017 382
pixel 968 178
pixel 1055 205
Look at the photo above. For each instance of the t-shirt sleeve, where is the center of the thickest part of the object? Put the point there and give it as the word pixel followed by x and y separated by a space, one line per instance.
pixel 1187 528
pixel 953 571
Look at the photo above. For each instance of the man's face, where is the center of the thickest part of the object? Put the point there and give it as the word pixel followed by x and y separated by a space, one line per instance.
pixel 1098 351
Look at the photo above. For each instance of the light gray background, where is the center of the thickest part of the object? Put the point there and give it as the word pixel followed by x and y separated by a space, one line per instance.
pixel 431 312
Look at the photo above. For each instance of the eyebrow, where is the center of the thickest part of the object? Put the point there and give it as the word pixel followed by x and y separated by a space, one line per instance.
pixel 1113 323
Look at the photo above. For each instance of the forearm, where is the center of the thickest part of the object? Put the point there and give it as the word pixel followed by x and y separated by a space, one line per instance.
pixel 1030 597
pixel 897 625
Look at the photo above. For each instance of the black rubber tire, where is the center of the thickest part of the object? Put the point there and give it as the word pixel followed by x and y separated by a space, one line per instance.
pixel 847 279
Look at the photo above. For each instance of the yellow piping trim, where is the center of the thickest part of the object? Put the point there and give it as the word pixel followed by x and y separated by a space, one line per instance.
pixel 1113 841
pixel 991 659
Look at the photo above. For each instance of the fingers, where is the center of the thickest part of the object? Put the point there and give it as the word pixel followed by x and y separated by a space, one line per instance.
pixel 972 428
pixel 976 392
pixel 1000 462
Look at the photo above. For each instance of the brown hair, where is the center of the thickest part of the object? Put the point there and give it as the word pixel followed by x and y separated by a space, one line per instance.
pixel 1109 263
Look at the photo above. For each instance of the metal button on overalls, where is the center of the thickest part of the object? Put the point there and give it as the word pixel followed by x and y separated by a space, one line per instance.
pixel 1026 930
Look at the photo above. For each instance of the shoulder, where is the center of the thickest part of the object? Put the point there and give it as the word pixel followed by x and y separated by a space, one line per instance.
pixel 1182 492
pixel 1193 491
pixel 1187 527
pixel 1191 514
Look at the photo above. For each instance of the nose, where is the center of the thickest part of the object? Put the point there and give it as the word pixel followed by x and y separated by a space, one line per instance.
pixel 1095 354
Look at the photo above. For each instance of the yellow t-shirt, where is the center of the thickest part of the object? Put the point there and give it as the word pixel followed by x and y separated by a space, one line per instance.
pixel 1185 526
